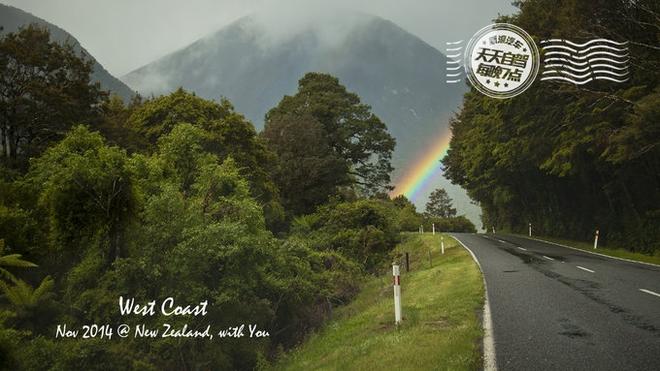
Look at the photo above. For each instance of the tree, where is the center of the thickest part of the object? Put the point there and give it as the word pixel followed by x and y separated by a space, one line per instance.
pixel 20 294
pixel 352 131
pixel 157 116
pixel 571 158
pixel 309 170
pixel 11 260
pixel 114 123
pixel 365 230
pixel 44 89
pixel 87 191
pixel 227 134
pixel 439 204
pixel 201 236
pixel 26 298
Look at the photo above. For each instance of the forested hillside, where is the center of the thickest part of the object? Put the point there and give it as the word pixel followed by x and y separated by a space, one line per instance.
pixel 179 197
pixel 571 159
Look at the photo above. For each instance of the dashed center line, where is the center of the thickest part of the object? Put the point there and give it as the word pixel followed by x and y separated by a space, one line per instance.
pixel 501 241
pixel 588 270
pixel 650 292
pixel 547 257
pixel 521 248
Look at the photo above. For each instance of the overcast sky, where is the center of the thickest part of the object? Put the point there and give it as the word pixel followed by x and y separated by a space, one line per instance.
pixel 126 34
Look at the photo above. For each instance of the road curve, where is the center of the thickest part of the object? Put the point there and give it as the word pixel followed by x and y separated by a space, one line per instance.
pixel 555 308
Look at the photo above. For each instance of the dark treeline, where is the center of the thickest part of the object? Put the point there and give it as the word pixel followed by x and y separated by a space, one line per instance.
pixel 178 196
pixel 571 159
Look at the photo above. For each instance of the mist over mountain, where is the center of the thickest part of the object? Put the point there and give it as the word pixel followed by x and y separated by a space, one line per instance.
pixel 253 63
pixel 11 19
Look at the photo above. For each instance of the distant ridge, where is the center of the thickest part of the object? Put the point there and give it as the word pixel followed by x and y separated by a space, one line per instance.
pixel 11 19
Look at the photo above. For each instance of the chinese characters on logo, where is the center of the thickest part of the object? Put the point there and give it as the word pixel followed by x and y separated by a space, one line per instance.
pixel 501 60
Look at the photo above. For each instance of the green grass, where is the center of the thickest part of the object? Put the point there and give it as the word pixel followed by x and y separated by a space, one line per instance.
pixel 605 250
pixel 441 329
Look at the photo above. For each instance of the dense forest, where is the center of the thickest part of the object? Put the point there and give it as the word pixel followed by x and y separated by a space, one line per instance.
pixel 571 159
pixel 178 196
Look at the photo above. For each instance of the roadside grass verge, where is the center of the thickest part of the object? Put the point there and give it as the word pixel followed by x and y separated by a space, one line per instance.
pixel 605 250
pixel 441 328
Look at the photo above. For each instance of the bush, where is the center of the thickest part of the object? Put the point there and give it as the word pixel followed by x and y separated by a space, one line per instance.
pixel 363 230
pixel 459 224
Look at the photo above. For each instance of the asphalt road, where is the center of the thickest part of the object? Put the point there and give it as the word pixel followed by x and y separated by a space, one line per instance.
pixel 555 308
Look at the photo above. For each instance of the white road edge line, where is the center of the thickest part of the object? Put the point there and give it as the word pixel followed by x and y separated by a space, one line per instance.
pixel 590 252
pixel 547 257
pixel 501 241
pixel 521 248
pixel 490 362
pixel 650 292
pixel 585 269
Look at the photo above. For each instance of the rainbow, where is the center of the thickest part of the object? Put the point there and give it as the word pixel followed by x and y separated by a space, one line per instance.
pixel 425 168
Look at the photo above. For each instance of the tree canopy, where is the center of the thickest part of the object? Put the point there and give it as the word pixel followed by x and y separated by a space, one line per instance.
pixel 352 131
pixel 309 170
pixel 439 204
pixel 45 88
pixel 570 159
pixel 226 134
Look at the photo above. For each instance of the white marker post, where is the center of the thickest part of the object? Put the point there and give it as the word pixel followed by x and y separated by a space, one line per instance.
pixel 397 294
pixel 442 244
pixel 596 240
pixel 530 229
pixel 433 225
pixel 493 229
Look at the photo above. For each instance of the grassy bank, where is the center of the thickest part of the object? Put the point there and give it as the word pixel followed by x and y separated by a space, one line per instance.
pixel 441 329
pixel 605 250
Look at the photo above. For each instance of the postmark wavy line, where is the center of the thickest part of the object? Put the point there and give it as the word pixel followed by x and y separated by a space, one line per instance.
pixel 564 47
pixel 586 57
pixel 590 67
pixel 548 78
pixel 580 64
pixel 592 73
pixel 586 43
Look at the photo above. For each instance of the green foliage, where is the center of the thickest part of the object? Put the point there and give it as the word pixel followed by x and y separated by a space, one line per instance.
pixel 570 159
pixel 439 205
pixel 226 133
pixel 408 218
pixel 309 170
pixel 87 192
pixel 114 124
pixel 28 303
pixel 363 230
pixel 11 260
pixel 25 298
pixel 174 196
pixel 441 328
pixel 459 224
pixel 156 117
pixel 310 283
pixel 44 88
pixel 351 130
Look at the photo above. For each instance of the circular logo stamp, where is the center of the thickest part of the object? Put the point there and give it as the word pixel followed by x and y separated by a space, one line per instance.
pixel 501 60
